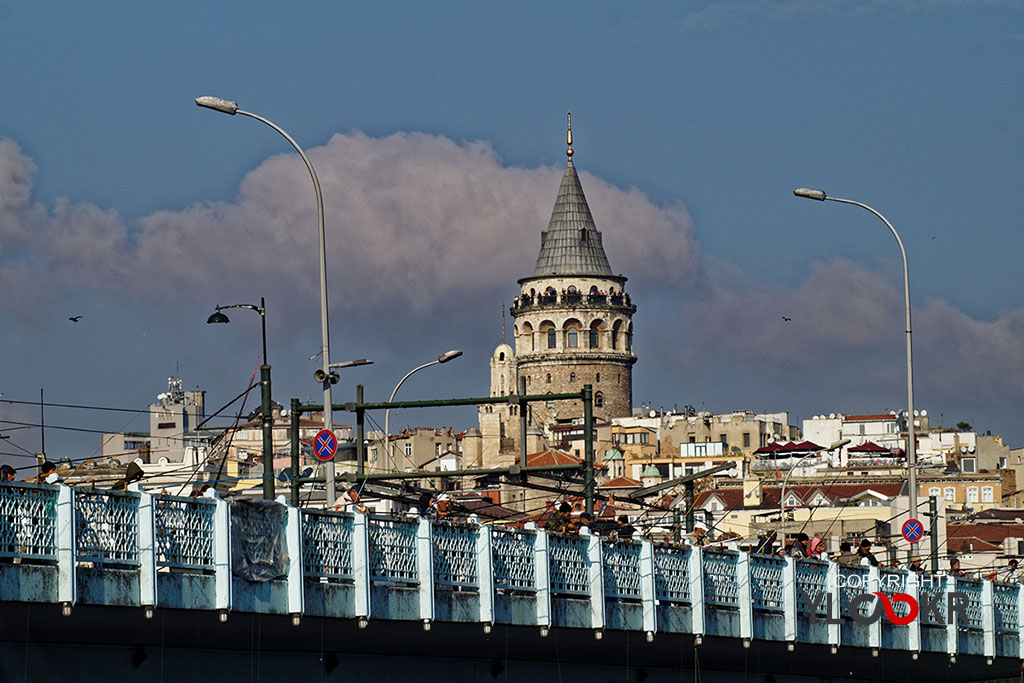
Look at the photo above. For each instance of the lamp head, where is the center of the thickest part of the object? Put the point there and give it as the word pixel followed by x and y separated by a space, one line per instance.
pixel 810 194
pixel 449 355
pixel 218 103
pixel 217 317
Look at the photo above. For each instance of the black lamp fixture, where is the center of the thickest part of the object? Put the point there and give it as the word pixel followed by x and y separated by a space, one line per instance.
pixel 217 317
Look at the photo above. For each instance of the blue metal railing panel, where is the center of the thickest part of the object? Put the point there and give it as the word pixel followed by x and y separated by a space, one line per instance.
pixel 812 580
pixel 106 527
pixel 28 521
pixel 454 547
pixel 568 565
pixel 672 574
pixel 1004 602
pixel 512 559
pixel 891 582
pixel 327 544
pixel 184 531
pixel 721 585
pixel 853 581
pixel 621 569
pixel 932 586
pixel 766 582
pixel 972 589
pixel 393 550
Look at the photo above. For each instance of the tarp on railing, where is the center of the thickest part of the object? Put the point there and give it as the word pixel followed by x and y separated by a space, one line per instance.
pixel 258 548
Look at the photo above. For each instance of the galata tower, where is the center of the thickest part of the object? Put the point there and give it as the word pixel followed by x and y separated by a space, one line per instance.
pixel 573 317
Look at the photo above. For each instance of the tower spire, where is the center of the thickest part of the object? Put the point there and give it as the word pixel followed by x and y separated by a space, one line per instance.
pixel 568 135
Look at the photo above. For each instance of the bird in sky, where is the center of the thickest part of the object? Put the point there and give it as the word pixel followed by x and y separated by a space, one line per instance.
pixel 786 319
pixel 75 318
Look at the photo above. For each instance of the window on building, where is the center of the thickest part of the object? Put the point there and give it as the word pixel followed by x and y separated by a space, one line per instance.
pixel 950 494
pixel 165 425
pixel 437 450
pixel 572 376
pixel 972 494
pixel 572 337
pixel 599 400
pixel 987 494
pixel 862 430
pixel 968 465
pixel 598 377
pixel 549 378
pixel 693 439
pixel 934 491
pixel 746 439
pixel 552 338
pixel 408 448
pixel 593 337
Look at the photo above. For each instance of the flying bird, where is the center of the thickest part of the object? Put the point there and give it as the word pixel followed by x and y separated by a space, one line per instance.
pixel 75 318
pixel 786 319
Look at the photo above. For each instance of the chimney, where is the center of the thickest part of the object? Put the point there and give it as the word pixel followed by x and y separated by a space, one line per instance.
pixel 751 492
pixel 535 441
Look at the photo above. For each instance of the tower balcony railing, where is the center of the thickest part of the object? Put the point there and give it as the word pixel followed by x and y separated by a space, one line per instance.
pixel 615 301
pixel 66 546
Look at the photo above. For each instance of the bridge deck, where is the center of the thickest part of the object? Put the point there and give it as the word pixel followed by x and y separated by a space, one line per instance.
pixel 80 547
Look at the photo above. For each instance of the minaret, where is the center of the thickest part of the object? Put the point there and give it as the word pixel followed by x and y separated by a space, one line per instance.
pixel 573 317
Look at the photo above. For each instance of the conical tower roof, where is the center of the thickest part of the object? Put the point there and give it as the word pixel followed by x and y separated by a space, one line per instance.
pixel 572 244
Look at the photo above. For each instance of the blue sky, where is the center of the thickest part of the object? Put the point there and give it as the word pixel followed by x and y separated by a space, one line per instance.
pixel 438 132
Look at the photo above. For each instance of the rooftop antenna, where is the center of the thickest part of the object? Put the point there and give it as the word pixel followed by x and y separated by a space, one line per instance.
pixel 568 135
pixel 502 320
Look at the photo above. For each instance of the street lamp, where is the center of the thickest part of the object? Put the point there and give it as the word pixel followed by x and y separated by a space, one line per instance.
pixel 266 417
pixel 911 445
pixel 443 358
pixel 229 107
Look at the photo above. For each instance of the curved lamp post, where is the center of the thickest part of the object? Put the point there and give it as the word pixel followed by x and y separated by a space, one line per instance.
pixel 443 358
pixel 229 107
pixel 911 445
pixel 266 417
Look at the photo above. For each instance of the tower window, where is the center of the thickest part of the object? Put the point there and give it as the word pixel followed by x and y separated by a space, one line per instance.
pixel 572 376
pixel 593 337
pixel 598 377
pixel 572 337
pixel 599 400
pixel 501 356
pixel 552 337
pixel 549 378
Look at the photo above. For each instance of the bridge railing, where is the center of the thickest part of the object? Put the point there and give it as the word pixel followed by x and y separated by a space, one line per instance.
pixel 629 583
pixel 28 521
pixel 184 532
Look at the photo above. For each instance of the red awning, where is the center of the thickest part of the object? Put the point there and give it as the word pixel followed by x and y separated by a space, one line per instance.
pixel 869 447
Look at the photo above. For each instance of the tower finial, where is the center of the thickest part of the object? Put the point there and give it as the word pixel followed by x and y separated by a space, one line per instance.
pixel 568 136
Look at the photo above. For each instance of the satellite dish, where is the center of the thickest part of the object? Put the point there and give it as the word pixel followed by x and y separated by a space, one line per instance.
pixel 970 449
pixel 893 413
pixel 306 473
pixel 917 414
pixel 831 416
pixel 653 414
pixel 963 449
pixel 924 413
pixel 285 474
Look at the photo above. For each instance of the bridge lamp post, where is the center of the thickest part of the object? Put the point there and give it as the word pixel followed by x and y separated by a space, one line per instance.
pixel 266 409
pixel 820 196
pixel 229 107
pixel 443 358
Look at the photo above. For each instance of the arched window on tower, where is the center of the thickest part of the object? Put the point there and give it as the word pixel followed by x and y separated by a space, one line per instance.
pixel 552 338
pixel 572 376
pixel 629 338
pixel 549 378
pixel 501 355
pixel 593 337
pixel 598 377
pixel 572 338
pixel 599 400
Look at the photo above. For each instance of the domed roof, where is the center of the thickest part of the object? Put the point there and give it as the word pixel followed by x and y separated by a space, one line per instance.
pixel 651 471
pixel 503 349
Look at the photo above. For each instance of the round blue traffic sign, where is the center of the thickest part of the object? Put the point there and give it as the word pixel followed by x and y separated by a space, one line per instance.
pixel 325 445
pixel 913 530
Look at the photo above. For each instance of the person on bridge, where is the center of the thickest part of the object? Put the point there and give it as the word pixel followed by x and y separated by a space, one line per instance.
pixel 558 520
pixel 7 473
pixel 699 536
pixel 799 546
pixel 846 554
pixel 864 553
